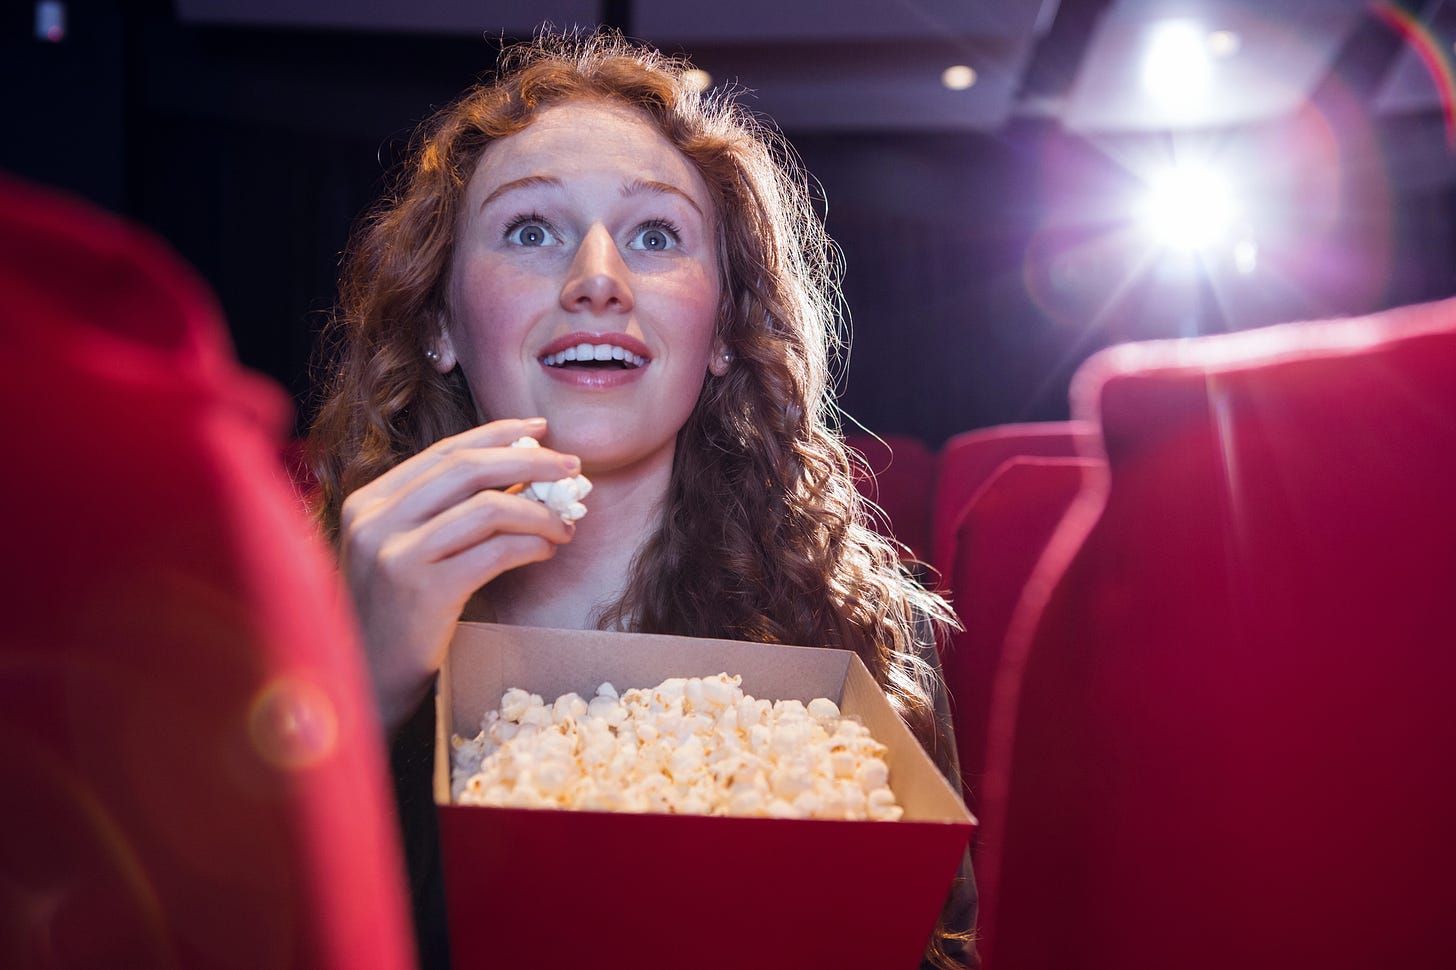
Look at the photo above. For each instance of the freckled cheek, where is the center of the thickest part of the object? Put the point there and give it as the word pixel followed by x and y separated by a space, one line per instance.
pixel 492 310
pixel 694 300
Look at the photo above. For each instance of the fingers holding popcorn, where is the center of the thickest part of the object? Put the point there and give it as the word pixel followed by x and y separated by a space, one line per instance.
pixel 484 515
pixel 419 540
pixel 562 496
pixel 452 470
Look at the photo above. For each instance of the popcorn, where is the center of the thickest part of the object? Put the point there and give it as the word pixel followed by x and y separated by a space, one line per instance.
pixel 696 746
pixel 562 496
pixel 516 702
pixel 823 709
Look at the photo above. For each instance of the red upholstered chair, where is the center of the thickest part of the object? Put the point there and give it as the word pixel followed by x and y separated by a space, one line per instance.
pixel 1223 732
pixel 194 775
pixel 1000 537
pixel 903 474
pixel 968 459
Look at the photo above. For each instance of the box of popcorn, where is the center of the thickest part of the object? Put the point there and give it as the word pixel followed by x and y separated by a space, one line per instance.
pixel 634 800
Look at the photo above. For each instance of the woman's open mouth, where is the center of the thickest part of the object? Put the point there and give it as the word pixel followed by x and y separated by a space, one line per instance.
pixel 596 357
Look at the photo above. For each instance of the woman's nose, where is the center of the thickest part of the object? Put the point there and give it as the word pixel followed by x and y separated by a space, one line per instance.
pixel 598 280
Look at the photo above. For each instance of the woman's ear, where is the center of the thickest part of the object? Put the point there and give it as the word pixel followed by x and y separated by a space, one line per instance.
pixel 721 360
pixel 442 354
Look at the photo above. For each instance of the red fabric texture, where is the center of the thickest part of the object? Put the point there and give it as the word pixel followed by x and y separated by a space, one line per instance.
pixel 1222 735
pixel 195 774
pixel 968 459
pixel 902 472
pixel 1001 535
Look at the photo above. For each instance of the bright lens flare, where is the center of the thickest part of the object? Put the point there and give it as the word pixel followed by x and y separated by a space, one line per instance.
pixel 1188 209
pixel 1224 43
pixel 1246 256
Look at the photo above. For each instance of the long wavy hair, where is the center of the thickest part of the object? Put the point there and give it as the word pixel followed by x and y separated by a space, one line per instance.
pixel 763 535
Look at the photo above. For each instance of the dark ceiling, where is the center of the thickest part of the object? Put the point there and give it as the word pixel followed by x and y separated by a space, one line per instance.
pixel 986 231
pixel 817 64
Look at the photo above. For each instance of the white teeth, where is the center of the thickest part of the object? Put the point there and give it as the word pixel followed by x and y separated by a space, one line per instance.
pixel 594 352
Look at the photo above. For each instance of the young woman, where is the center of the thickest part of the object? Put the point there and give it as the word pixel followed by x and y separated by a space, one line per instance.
pixel 588 252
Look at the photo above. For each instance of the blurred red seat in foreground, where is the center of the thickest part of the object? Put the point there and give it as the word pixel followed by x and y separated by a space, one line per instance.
pixel 194 771
pixel 903 474
pixel 1000 537
pixel 1222 736
pixel 968 459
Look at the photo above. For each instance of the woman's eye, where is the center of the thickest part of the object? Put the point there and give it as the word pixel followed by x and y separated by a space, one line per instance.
pixel 655 238
pixel 529 234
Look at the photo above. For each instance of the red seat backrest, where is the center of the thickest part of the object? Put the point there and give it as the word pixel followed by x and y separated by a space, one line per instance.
pixel 1222 735
pixel 1000 537
pixel 195 774
pixel 903 475
pixel 968 459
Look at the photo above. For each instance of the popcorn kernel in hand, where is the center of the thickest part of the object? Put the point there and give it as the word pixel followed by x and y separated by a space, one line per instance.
pixel 562 496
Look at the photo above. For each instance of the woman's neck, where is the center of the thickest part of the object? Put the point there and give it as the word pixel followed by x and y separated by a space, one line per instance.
pixel 570 590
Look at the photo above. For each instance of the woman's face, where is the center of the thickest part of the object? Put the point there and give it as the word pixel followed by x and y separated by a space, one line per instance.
pixel 584 286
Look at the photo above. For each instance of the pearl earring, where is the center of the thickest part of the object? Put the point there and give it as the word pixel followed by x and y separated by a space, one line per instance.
pixel 433 356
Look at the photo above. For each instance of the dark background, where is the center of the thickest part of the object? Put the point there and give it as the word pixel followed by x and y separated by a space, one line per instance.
pixel 982 263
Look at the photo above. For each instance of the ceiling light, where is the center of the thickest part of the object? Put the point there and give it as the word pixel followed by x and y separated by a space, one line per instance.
pixel 50 21
pixel 1176 66
pixel 959 77
pixel 697 79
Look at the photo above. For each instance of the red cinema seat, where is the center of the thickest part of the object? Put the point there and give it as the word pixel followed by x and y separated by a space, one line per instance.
pixel 194 773
pixel 1001 535
pixel 968 459
pixel 1222 735
pixel 902 474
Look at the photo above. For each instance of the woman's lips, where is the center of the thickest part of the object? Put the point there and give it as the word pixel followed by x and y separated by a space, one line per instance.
pixel 595 360
pixel 572 341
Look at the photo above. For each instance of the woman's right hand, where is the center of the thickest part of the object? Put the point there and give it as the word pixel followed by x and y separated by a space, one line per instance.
pixel 416 542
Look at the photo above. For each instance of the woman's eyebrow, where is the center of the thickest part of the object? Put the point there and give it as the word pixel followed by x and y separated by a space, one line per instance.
pixel 660 188
pixel 515 185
